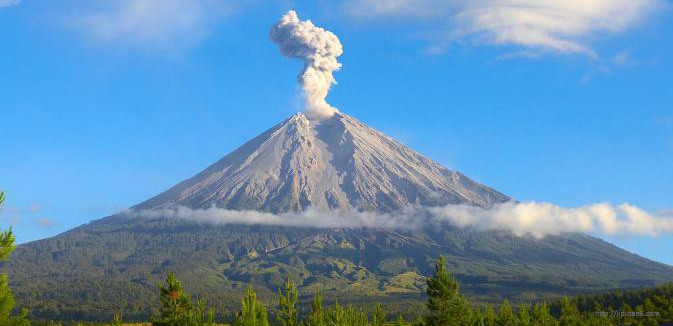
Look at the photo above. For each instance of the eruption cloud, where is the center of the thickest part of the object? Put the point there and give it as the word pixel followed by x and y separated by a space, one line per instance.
pixel 319 49
pixel 523 219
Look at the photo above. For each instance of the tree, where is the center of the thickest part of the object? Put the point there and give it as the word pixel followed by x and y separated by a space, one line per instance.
pixel 378 317
pixel 648 306
pixel 200 316
pixel 596 318
pixel 287 313
pixel 478 318
pixel 400 321
pixel 117 318
pixel 6 238
pixel 336 316
pixel 489 316
pixel 176 306
pixel 6 298
pixel 505 315
pixel 317 315
pixel 252 312
pixel 447 306
pixel 356 317
pixel 569 314
pixel 350 316
pixel 524 316
pixel 541 315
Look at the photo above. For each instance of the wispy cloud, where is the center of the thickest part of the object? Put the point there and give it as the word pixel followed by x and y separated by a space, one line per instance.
pixel 623 58
pixel 14 215
pixel 550 26
pixel 7 3
pixel 33 208
pixel 666 120
pixel 45 223
pixel 531 218
pixel 152 22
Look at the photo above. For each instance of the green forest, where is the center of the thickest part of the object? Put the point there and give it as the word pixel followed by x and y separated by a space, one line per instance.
pixel 445 305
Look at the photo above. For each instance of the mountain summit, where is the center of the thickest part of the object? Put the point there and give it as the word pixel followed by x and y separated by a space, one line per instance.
pixel 333 163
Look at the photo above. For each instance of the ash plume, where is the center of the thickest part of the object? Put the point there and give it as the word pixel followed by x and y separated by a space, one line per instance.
pixel 319 49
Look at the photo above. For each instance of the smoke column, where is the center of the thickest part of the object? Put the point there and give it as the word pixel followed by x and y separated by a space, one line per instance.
pixel 319 49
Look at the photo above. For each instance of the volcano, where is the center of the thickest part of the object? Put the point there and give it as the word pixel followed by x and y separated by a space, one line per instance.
pixel 329 164
pixel 332 164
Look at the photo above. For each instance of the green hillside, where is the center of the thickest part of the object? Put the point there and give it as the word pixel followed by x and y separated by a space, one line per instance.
pixel 82 273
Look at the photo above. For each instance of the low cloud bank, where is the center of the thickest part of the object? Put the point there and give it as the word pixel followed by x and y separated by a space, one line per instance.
pixel 307 218
pixel 523 219
pixel 540 219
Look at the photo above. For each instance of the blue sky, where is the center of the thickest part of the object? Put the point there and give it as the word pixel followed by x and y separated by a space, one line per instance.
pixel 105 104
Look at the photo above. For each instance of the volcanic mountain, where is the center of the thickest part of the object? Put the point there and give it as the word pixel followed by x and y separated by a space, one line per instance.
pixel 335 163
pixel 332 164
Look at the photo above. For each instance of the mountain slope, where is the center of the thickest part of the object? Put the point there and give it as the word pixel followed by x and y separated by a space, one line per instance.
pixel 335 163
pixel 91 271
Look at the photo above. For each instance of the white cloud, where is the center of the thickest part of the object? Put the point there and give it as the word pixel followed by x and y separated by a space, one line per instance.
pixel 7 3
pixel 530 218
pixel 307 218
pixel 540 219
pixel 558 26
pixel 152 22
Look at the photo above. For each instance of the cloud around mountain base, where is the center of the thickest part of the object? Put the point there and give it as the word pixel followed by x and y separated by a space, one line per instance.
pixel 535 219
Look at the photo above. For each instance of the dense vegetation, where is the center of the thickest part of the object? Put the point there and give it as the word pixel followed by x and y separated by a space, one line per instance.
pixel 446 306
pixel 116 262
pixel 629 303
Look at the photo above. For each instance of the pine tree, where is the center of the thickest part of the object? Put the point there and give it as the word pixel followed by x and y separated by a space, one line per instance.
pixel 6 298
pixel 591 318
pixel 505 315
pixel 336 316
pixel 648 306
pixel 478 318
pixel 199 315
pixel 176 306
pixel 287 313
pixel 6 305
pixel 541 316
pixel 524 316
pixel 447 306
pixel 627 319
pixel 400 321
pixel 252 312
pixel 378 317
pixel 570 316
pixel 317 316
pixel 490 317
pixel 355 317
pixel 6 238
